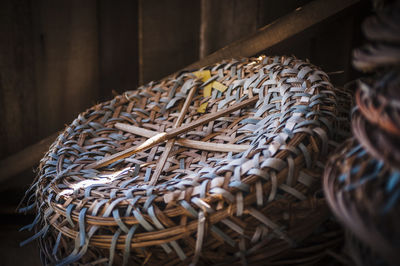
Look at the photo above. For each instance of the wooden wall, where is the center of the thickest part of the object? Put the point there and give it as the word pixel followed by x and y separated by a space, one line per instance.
pixel 58 58
pixel 168 36
pixel 18 94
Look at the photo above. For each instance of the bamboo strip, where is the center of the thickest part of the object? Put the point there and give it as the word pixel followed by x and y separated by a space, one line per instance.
pixel 161 137
pixel 193 144
pixel 170 143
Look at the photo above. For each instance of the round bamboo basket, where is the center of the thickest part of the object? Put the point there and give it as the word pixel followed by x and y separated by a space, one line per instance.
pixel 240 186
pixel 362 180
pixel 363 191
pixel 376 124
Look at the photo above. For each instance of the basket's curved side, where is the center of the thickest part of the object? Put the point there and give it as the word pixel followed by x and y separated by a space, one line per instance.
pixel 207 206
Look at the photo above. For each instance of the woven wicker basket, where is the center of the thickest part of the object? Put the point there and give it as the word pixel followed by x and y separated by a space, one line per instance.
pixel 362 180
pixel 242 188
pixel 363 193
pixel 376 125
pixel 363 190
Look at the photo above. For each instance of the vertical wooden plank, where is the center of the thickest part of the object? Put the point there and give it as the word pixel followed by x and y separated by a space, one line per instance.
pixel 168 36
pixel 66 48
pixel 17 83
pixel 118 35
pixel 225 21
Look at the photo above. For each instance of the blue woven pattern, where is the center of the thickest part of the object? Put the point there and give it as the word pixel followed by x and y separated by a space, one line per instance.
pixel 204 201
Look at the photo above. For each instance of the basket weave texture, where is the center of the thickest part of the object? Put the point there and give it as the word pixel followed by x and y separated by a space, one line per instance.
pixel 241 188
pixel 363 192
pixel 362 180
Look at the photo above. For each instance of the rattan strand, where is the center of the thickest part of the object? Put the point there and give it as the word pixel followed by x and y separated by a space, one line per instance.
pixel 363 193
pixel 206 206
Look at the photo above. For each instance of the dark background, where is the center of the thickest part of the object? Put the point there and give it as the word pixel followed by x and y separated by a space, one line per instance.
pixel 58 58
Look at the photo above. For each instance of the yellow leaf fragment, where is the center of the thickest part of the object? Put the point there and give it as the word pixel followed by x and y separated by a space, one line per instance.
pixel 204 75
pixel 202 108
pixel 219 86
pixel 207 90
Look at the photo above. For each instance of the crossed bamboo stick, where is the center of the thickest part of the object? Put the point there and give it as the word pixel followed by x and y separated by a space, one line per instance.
pixel 171 135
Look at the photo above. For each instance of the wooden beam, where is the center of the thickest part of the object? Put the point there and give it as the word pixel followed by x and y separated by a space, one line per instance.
pixel 24 159
pixel 277 31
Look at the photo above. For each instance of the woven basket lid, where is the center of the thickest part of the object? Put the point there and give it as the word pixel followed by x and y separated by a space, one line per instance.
pixel 240 187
